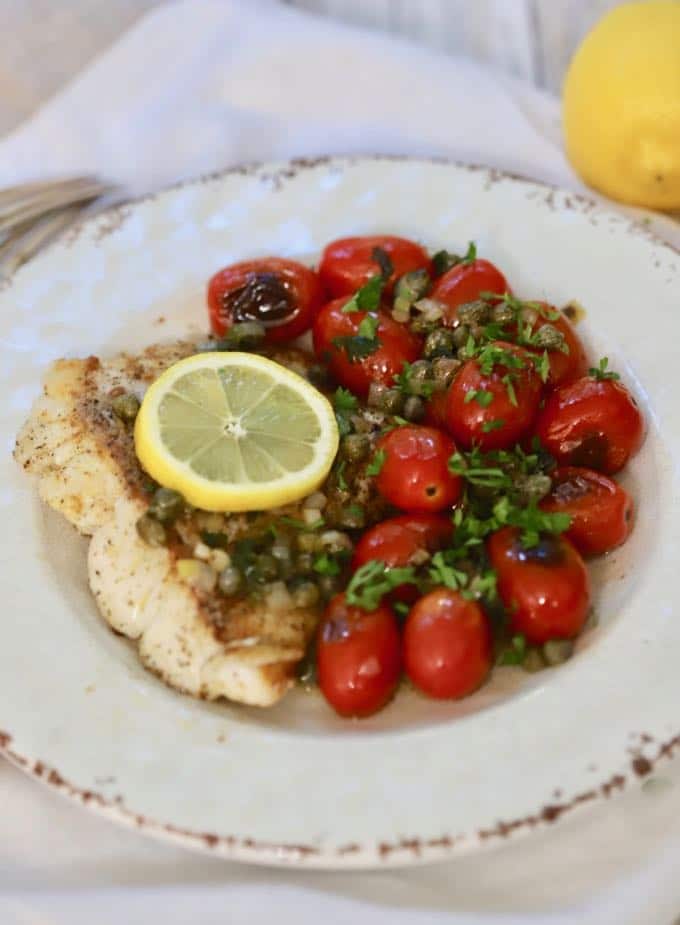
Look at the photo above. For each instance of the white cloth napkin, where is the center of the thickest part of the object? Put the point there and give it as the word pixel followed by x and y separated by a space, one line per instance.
pixel 195 86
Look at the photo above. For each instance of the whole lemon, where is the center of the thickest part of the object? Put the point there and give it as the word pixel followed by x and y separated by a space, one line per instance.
pixel 621 105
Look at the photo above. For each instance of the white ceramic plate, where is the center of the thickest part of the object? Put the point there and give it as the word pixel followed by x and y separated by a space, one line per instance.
pixel 421 780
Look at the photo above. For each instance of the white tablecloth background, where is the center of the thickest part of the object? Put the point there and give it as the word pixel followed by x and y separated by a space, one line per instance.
pixel 195 86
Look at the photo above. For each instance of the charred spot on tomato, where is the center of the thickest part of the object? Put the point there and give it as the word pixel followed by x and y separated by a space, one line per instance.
pixel 431 491
pixel 548 551
pixel 264 297
pixel 591 452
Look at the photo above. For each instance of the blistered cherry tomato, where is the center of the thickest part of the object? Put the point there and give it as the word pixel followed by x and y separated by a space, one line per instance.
pixel 493 410
pixel 401 541
pixel 396 345
pixel 358 656
pixel 593 423
pixel 447 645
pixel 545 589
pixel 466 282
pixel 283 295
pixel 564 367
pixel 415 475
pixel 348 263
pixel 601 511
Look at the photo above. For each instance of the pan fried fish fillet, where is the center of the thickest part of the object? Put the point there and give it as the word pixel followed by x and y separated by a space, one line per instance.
pixel 84 459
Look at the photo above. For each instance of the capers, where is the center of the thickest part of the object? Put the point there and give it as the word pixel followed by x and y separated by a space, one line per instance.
pixel 533 487
pixel 355 447
pixel 230 580
pixel 328 585
pixel 557 651
pixel 461 335
pixel 265 568
pixel 409 288
pixel 376 390
pixel 304 563
pixel 439 343
pixel 476 312
pixel 308 542
pixel 414 408
pixel 247 335
pixel 319 376
pixel 502 314
pixel 419 377
pixel 151 531
pixel 166 505
pixel 306 594
pixel 533 661
pixel 125 407
pixel 352 517
pixel 306 669
pixel 548 338
pixel 443 371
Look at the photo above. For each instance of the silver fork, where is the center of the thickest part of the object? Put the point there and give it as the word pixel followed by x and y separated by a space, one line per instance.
pixel 32 214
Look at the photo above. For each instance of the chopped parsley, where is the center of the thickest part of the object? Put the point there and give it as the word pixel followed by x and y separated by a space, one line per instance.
pixel 601 372
pixel 510 389
pixel 542 364
pixel 373 580
pixel 362 344
pixel 445 573
pixel 481 396
pixel 493 424
pixel 301 524
pixel 515 652
pixel 471 253
pixel 492 355
pixel 339 475
pixel 344 404
pixel 377 462
pixel 366 299
pixel 479 474
pixel 401 608
pixel 331 563
pixel 343 400
pixel 531 520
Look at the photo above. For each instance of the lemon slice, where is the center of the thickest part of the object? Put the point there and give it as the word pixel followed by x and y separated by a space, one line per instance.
pixel 235 432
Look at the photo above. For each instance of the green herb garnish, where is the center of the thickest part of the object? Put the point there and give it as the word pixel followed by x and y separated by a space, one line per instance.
pixel 471 253
pixel 373 581
pixel 366 299
pixel 377 462
pixel 601 372
pixel 493 424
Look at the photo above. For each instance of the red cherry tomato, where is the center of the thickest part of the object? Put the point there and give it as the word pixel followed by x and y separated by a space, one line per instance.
pixel 415 475
pixel 348 263
pixel 396 346
pixel 601 511
pixel 447 645
pixel 358 656
pixel 564 367
pixel 283 295
pixel 435 410
pixel 593 423
pixel 400 541
pixel 465 283
pixel 501 412
pixel 546 589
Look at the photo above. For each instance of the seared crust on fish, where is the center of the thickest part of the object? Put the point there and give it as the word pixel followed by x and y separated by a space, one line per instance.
pixel 83 455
